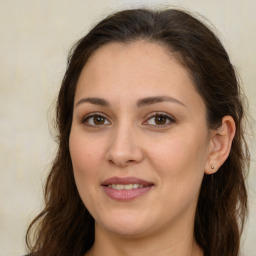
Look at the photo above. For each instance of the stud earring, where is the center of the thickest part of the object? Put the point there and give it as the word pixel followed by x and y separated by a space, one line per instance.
pixel 212 167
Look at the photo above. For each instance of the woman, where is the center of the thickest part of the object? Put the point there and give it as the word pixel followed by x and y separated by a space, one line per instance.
pixel 152 156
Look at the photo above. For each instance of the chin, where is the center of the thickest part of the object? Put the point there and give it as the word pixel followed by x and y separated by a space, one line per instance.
pixel 127 225
pixel 132 231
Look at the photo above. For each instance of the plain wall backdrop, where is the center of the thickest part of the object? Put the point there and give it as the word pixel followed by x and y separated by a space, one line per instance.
pixel 35 36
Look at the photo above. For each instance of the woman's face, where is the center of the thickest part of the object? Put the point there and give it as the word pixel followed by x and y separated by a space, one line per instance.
pixel 139 141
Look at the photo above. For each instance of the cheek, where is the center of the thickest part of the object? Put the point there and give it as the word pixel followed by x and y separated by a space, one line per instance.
pixel 86 158
pixel 180 167
pixel 181 157
pixel 85 154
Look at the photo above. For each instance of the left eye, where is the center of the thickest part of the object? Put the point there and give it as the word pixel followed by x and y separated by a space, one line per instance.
pixel 159 120
pixel 96 120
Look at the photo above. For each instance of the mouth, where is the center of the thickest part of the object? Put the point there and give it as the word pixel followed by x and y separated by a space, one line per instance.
pixel 126 189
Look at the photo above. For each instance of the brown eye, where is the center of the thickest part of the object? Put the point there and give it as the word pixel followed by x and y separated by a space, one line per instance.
pixel 96 120
pixel 160 120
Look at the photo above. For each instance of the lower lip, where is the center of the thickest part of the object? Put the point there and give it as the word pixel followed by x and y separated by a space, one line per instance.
pixel 125 195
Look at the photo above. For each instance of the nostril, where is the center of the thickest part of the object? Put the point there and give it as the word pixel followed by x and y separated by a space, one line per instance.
pixel 123 154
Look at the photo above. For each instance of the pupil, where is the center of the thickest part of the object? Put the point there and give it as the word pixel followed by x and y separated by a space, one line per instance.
pixel 98 120
pixel 160 120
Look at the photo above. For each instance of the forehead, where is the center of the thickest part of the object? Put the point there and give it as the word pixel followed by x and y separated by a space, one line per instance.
pixel 135 56
pixel 138 69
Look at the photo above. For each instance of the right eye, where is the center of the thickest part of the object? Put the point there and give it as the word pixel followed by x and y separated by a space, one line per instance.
pixel 95 120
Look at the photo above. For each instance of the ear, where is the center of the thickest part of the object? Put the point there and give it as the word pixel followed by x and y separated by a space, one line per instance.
pixel 220 144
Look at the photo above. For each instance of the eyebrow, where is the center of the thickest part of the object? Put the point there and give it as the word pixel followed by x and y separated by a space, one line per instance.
pixel 95 101
pixel 140 103
pixel 157 99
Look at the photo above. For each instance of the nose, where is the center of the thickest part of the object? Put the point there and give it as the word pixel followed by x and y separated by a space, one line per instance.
pixel 124 148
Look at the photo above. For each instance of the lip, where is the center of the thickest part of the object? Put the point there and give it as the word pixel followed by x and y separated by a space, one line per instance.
pixel 126 181
pixel 126 195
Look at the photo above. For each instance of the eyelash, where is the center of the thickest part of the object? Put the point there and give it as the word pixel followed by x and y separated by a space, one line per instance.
pixel 155 115
pixel 93 115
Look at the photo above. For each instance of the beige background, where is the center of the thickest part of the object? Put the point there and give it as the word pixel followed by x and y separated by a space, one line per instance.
pixel 35 36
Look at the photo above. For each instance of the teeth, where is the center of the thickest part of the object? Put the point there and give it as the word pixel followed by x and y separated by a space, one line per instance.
pixel 125 187
pixel 136 185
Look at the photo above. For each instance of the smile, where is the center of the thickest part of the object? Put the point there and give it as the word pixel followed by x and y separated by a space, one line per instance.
pixel 125 187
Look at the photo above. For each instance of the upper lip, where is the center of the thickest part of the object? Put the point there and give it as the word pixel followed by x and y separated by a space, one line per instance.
pixel 126 181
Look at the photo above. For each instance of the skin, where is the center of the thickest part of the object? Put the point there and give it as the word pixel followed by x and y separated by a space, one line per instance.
pixel 173 154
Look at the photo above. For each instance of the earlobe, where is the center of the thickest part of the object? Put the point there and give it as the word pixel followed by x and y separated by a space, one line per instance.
pixel 220 144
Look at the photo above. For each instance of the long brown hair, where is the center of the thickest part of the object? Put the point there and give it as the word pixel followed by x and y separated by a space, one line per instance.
pixel 65 227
